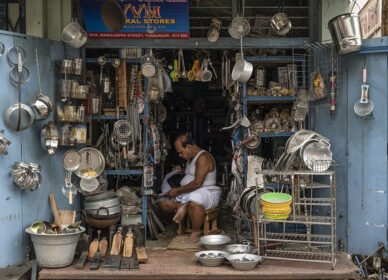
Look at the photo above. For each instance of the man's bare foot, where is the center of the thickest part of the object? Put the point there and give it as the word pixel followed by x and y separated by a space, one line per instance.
pixel 180 214
pixel 194 237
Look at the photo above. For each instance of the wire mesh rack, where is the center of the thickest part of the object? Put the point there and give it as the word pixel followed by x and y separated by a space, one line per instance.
pixel 323 60
pixel 258 16
pixel 309 232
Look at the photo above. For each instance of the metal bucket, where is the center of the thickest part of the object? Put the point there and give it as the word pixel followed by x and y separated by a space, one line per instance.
pixel 55 250
pixel 345 32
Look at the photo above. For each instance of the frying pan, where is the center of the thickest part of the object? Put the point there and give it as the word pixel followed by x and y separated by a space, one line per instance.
pixel 26 117
pixel 112 15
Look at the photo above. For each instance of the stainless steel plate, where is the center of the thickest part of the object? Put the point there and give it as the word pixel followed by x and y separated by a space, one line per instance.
pixel 92 163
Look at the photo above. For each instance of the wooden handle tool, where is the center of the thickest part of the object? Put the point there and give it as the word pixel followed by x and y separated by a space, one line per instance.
pixel 57 220
pixel 93 248
pixel 128 245
pixel 103 246
pixel 116 243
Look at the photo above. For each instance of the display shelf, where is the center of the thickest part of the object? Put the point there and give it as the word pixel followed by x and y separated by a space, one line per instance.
pixel 112 117
pixel 275 59
pixel 307 246
pixel 302 219
pixel 270 98
pixel 124 172
pixel 316 201
pixel 298 238
pixel 300 256
pixel 86 120
pixel 109 60
pixel 280 134
pixel 295 173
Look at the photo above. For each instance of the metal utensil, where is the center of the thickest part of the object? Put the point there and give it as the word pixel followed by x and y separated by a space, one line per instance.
pixel 364 106
pixel 243 69
pixel 92 163
pixel 71 161
pixel 346 33
pixel 49 138
pixel 43 105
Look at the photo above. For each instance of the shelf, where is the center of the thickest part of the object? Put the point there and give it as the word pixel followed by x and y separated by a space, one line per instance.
pixel 298 238
pixel 109 60
pixel 112 117
pixel 278 59
pixel 316 201
pixel 58 95
pixel 124 172
pixel 271 98
pixel 280 134
pixel 299 256
pixel 295 173
pixel 180 113
pixel 86 119
pixel 301 219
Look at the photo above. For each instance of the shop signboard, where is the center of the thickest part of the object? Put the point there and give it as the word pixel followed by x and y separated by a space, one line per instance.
pixel 136 19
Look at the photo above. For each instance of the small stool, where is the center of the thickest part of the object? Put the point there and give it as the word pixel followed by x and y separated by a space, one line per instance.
pixel 209 223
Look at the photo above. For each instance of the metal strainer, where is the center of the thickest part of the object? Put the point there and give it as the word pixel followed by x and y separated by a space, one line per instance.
pixel 89 185
pixel 71 160
pixel 122 132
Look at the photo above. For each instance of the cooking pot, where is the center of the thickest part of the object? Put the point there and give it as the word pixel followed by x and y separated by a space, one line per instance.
pixel 281 23
pixel 49 138
pixel 42 107
pixel 74 35
pixel 242 71
pixel 345 32
pixel 98 221
pixel 107 211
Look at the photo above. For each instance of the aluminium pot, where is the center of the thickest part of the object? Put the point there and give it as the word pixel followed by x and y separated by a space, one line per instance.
pixel 106 203
pixel 242 71
pixel 281 23
pixel 346 33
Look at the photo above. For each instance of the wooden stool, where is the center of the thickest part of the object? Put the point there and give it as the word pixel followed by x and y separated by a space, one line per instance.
pixel 209 223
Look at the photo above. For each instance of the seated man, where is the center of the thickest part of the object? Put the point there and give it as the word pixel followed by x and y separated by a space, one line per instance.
pixel 198 191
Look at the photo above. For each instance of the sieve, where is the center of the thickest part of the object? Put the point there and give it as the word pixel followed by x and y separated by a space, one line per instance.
pixel 71 160
pixel 122 132
pixel 89 185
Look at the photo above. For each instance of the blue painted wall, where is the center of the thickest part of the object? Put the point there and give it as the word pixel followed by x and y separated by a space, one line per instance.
pixel 361 207
pixel 19 209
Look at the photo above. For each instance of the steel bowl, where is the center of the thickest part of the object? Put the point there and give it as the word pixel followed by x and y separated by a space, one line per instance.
pixel 244 261
pixel 214 241
pixel 211 257
pixel 240 249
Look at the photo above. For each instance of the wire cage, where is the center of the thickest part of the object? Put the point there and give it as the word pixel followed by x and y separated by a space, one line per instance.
pixel 258 16
pixel 324 72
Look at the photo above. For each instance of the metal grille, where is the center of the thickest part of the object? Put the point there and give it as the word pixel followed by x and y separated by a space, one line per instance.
pixel 258 17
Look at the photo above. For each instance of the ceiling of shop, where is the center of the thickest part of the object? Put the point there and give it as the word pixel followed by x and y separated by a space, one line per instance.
pixel 257 12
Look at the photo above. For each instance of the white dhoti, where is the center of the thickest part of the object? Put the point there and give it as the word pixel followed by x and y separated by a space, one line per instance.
pixel 206 196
